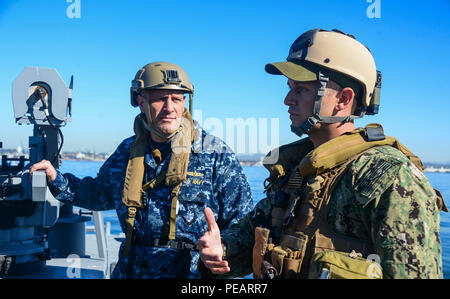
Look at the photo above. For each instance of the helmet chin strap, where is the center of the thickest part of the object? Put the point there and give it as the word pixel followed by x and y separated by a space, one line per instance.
pixel 307 125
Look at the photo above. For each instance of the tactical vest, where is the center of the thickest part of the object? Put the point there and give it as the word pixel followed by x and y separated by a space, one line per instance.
pixel 134 190
pixel 299 230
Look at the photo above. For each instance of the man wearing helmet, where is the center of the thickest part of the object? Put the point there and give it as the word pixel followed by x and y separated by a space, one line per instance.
pixel 160 180
pixel 343 202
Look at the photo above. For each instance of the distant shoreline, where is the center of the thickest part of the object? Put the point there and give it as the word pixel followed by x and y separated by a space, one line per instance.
pixel 429 169
pixel 438 170
pixel 243 163
pixel 246 160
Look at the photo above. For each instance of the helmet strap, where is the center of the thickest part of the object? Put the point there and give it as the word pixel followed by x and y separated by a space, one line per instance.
pixel 191 103
pixel 307 125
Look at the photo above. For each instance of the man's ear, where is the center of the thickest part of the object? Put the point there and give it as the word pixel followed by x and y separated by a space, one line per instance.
pixel 346 97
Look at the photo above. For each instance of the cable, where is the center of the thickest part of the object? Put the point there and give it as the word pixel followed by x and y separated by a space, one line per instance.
pixel 40 93
pixel 60 135
pixel 44 139
pixel 60 147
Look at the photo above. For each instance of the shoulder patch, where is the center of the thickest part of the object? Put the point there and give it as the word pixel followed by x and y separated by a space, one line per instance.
pixel 373 173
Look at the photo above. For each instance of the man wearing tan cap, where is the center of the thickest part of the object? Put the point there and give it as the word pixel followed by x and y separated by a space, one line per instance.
pixel 344 202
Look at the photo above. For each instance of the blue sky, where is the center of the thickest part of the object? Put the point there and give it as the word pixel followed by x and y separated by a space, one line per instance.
pixel 224 46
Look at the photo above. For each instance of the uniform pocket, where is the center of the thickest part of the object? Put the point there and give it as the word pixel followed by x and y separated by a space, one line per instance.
pixel 295 248
pixel 191 213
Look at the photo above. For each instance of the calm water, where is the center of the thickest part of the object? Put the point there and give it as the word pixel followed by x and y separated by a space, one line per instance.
pixel 256 176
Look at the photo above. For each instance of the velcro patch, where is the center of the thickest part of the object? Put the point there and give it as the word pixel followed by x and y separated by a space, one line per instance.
pixel 372 181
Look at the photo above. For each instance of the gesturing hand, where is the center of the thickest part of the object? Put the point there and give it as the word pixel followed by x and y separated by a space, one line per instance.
pixel 210 245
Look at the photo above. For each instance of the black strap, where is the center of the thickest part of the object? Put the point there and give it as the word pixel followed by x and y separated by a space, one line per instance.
pixel 306 126
pixel 375 133
pixel 172 244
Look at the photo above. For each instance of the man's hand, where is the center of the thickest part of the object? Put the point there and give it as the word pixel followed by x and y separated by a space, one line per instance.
pixel 47 166
pixel 210 246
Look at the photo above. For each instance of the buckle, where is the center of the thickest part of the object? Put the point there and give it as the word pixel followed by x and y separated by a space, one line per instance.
pixel 171 244
pixel 175 245
pixel 374 133
pixel 132 212
pixel 308 124
pixel 291 210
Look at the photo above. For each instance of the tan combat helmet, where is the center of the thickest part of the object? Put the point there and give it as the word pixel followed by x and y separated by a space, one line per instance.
pixel 161 75
pixel 323 55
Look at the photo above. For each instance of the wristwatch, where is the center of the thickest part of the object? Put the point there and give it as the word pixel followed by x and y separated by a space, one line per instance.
pixel 224 248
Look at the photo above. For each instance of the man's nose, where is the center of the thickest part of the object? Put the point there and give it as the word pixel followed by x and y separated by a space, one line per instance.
pixel 168 104
pixel 288 100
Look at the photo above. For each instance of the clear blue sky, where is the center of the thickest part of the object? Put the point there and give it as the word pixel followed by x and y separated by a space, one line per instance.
pixel 224 46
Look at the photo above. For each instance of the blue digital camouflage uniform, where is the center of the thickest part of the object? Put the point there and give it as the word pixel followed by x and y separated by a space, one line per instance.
pixel 215 179
pixel 383 198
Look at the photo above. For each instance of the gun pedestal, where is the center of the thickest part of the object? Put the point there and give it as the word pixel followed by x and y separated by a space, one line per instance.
pixel 31 219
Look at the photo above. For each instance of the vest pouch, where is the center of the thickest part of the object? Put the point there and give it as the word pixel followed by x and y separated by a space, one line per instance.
pixel 296 242
pixel 277 257
pixel 259 250
pixel 295 246
pixel 330 264
pixel 291 267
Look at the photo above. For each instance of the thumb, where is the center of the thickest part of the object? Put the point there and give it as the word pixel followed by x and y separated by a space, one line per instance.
pixel 209 215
